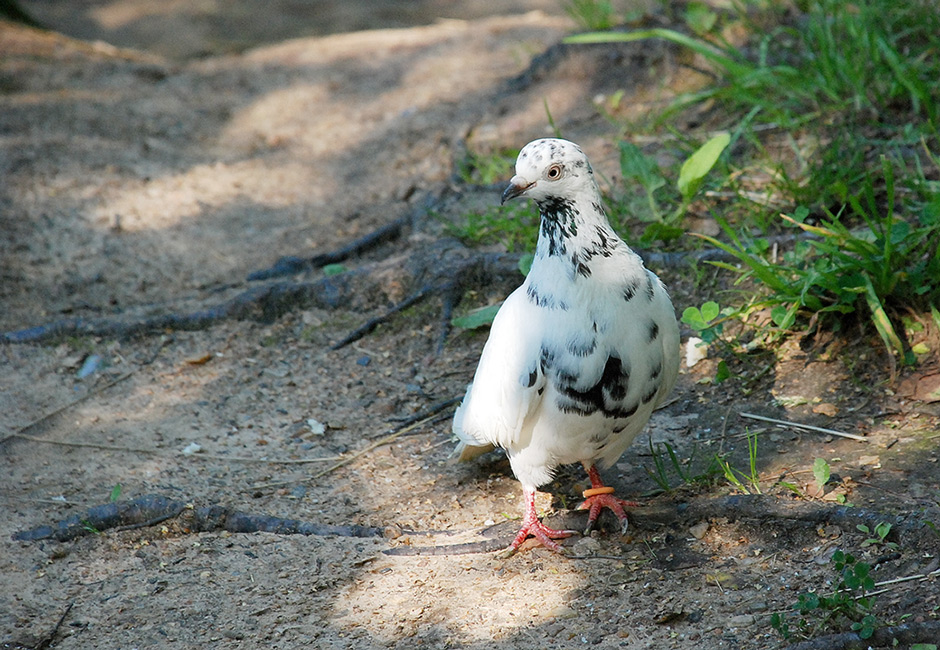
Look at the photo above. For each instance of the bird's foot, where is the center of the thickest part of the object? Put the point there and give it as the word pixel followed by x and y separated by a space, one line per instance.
pixel 598 498
pixel 531 525
pixel 545 535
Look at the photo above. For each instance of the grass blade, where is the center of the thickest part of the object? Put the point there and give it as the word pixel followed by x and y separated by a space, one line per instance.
pixel 879 318
pixel 710 52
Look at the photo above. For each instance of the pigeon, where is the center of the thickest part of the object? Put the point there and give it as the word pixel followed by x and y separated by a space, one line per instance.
pixel 579 355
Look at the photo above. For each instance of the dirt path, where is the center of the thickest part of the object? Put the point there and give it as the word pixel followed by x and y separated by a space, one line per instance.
pixel 138 180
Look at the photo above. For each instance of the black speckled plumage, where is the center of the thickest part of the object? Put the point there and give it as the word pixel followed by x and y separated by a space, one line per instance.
pixel 583 351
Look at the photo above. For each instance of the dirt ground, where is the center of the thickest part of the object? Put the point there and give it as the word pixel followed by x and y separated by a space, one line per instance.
pixel 154 164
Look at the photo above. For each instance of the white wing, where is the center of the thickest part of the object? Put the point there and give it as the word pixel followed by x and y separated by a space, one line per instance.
pixel 670 341
pixel 508 383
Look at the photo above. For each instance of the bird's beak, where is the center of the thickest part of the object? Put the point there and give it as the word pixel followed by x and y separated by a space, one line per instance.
pixel 517 186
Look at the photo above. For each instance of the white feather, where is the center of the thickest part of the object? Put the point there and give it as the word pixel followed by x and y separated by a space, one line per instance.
pixel 547 388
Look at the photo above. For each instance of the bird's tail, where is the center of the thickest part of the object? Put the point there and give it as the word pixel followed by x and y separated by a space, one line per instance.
pixel 468 447
pixel 467 451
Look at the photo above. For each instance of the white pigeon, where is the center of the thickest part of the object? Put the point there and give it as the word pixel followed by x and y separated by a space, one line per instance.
pixel 580 354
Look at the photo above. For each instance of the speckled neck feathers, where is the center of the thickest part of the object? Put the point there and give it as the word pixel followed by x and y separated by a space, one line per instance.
pixel 575 230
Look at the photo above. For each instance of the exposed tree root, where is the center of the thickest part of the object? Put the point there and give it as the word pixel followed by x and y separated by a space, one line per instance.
pixel 153 509
pixel 291 265
pixel 885 637
pixel 264 303
pixel 752 508
pixel 444 268
pixel 766 509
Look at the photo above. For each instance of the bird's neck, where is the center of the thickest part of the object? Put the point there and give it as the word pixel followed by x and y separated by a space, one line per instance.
pixel 569 223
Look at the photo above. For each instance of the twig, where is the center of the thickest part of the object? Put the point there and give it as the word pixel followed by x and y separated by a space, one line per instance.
pixel 372 323
pixel 407 425
pixel 378 443
pixel 467 548
pixel 97 389
pixel 423 416
pixel 46 642
pixel 396 433
pixel 888 585
pixel 809 427
pixel 160 452
pixel 19 433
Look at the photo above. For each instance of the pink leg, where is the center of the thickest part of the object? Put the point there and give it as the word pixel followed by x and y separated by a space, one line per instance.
pixel 532 526
pixel 606 499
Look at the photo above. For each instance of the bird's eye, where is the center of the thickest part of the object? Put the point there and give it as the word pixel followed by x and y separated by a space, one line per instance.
pixel 553 173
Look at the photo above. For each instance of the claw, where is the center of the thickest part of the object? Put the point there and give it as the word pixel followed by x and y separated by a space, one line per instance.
pixel 532 526
pixel 599 497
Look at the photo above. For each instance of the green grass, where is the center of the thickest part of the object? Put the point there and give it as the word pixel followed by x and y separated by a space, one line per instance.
pixel 592 14
pixel 515 226
pixel 667 466
pixel 486 169
pixel 822 123
pixel 747 482
pixel 833 112
pixel 856 59
pixel 888 262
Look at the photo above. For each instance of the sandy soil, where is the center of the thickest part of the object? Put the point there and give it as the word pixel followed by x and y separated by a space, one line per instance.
pixel 156 175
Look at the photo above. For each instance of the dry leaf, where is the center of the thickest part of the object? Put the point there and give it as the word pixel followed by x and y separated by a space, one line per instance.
pixel 201 360
pixel 827 409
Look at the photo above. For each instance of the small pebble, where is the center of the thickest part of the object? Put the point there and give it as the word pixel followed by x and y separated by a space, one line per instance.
pixel 364 360
pixel 192 448
pixel 586 546
pixel 698 530
pixel 91 365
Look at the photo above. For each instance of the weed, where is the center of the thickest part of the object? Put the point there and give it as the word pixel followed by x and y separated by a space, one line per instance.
pixel 592 14
pixel 476 318
pixel 821 471
pixel 664 457
pixel 486 169
pixel 708 323
pixel 747 482
pixel 891 263
pixel 661 475
pixel 837 82
pixel 877 538
pixel 705 320
pixel 88 526
pixel 637 167
pixel 848 605
pixel 115 493
pixel 515 226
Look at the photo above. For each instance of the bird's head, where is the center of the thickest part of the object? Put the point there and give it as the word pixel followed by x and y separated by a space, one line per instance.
pixel 550 168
